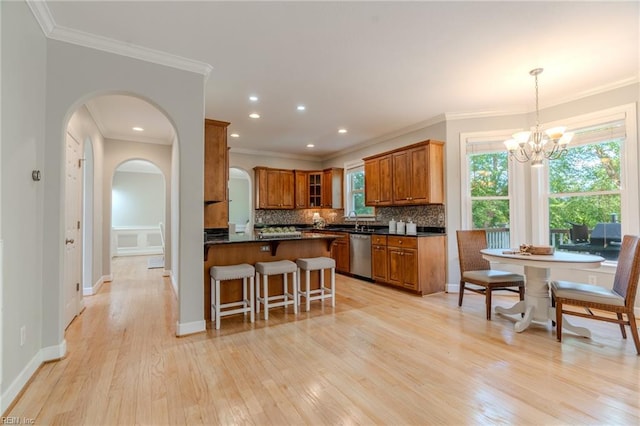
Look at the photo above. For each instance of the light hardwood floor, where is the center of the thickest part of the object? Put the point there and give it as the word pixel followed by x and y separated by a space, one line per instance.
pixel 382 357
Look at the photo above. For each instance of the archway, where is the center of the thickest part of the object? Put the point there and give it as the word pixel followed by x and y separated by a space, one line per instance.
pixel 240 200
pixel 104 149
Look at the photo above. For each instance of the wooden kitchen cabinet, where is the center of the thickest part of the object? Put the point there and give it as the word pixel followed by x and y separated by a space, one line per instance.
pixel 301 182
pixel 315 189
pixel 413 263
pixel 332 184
pixel 216 174
pixel 274 188
pixel 402 261
pixel 379 258
pixel 418 175
pixel 414 175
pixel 377 178
pixel 340 252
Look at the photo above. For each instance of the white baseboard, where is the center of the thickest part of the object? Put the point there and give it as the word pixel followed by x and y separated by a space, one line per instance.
pixel 95 288
pixel 45 354
pixel 452 288
pixel 174 284
pixel 52 353
pixel 138 251
pixel 107 278
pixel 166 273
pixel 185 329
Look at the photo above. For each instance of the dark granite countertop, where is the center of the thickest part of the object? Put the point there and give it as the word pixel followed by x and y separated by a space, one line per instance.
pixel 255 238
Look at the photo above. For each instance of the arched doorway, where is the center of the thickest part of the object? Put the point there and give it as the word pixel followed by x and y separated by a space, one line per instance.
pixel 240 200
pixel 138 211
pixel 99 126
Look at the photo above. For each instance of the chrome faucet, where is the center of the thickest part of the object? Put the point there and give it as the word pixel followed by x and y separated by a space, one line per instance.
pixel 354 215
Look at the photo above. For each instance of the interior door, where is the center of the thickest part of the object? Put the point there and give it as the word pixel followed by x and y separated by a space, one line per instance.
pixel 73 246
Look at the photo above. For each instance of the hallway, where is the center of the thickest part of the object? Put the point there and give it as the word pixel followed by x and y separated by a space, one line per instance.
pixel 383 357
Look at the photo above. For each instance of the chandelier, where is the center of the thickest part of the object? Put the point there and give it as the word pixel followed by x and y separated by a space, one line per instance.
pixel 536 145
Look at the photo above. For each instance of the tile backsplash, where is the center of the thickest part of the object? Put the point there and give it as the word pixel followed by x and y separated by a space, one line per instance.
pixel 430 215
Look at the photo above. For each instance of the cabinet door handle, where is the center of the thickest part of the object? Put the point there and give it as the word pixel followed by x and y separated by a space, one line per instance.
pixel 69 241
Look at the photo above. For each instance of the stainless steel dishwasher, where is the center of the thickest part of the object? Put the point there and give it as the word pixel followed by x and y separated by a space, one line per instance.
pixel 360 255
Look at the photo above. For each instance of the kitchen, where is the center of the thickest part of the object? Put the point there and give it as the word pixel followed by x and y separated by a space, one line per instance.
pixel 405 182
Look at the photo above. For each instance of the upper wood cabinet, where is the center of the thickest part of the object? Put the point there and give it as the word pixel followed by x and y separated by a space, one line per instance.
pixel 301 179
pixel 411 175
pixel 314 189
pixel 216 161
pixel 274 188
pixel 377 181
pixel 216 174
pixel 332 184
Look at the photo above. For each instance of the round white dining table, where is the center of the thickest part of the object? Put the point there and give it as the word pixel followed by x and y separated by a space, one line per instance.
pixel 536 305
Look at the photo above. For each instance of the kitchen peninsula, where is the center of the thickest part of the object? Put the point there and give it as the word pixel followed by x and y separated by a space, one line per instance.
pixel 239 248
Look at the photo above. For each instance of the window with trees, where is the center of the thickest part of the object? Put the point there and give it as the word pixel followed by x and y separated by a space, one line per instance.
pixel 355 191
pixel 487 189
pixel 585 191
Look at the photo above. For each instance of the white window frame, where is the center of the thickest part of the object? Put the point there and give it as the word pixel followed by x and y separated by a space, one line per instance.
pixel 348 168
pixel 487 142
pixel 629 171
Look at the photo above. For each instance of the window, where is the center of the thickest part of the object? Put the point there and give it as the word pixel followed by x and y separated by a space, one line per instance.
pixel 585 191
pixel 487 197
pixel 355 192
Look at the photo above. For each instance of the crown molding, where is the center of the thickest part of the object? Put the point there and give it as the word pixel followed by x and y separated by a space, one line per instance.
pixel 42 14
pixel 388 136
pixel 451 116
pixel 55 32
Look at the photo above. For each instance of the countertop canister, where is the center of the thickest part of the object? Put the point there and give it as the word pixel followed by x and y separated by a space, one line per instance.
pixel 412 229
pixel 392 226
pixel 400 228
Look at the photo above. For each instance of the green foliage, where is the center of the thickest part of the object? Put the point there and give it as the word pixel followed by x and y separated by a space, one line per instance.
pixel 585 169
pixel 490 213
pixel 489 174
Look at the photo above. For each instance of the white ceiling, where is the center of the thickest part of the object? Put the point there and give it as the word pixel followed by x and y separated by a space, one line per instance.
pixel 374 68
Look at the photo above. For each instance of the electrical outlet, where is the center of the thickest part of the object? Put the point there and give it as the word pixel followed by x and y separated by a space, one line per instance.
pixel 23 335
pixel 592 279
pixel 265 248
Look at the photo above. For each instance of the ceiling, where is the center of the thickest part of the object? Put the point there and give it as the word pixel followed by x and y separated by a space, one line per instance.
pixel 376 69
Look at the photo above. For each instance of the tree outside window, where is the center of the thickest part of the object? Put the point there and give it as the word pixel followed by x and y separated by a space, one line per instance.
pixel 585 189
pixel 489 193
pixel 355 192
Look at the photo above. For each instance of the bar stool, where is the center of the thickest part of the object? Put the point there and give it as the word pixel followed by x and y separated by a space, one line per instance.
pixel 278 267
pixel 231 272
pixel 321 293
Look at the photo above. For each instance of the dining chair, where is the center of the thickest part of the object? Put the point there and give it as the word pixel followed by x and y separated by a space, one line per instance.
pixel 619 300
pixel 474 269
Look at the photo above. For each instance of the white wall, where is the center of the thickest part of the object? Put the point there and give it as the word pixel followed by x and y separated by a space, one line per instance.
pixel 138 199
pixel 22 209
pixel 76 74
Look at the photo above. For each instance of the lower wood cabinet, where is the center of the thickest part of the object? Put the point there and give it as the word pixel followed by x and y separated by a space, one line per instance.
pixel 340 252
pixel 413 263
pixel 379 258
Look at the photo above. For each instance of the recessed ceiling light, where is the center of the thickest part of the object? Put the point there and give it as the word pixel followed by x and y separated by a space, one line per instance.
pixel 253 98
pixel 254 115
pixel 310 145
pixel 342 131
pixel 301 107
pixel 138 129
pixel 234 135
